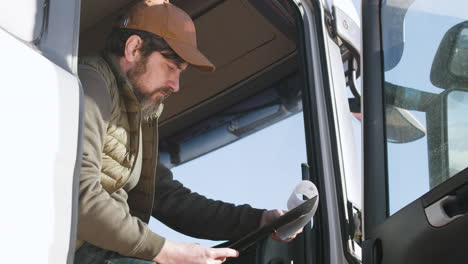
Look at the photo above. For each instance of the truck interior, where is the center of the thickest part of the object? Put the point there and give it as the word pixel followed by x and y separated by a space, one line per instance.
pixel 252 44
pixel 276 60
pixel 257 81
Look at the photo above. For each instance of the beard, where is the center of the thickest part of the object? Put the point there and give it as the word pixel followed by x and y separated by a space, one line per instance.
pixel 149 106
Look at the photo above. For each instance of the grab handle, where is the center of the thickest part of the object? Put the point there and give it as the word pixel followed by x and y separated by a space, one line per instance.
pixel 448 208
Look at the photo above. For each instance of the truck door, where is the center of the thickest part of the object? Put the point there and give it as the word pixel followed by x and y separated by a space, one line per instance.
pixel 40 129
pixel 328 45
pixel 415 149
pixel 331 48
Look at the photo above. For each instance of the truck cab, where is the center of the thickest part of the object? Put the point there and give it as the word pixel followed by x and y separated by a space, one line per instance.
pixel 364 99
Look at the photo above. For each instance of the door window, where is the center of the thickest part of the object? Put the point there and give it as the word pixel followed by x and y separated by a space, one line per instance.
pixel 425 47
pixel 261 170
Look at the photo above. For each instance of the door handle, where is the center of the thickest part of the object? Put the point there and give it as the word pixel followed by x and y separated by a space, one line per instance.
pixel 448 208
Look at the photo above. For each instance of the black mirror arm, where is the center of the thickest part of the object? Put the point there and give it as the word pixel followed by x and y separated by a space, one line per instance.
pixel 408 98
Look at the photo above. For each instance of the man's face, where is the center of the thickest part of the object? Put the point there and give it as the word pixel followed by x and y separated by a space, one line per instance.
pixel 154 78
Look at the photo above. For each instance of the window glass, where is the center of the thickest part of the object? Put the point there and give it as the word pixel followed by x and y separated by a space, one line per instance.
pixel 261 170
pixel 425 55
pixel 457 129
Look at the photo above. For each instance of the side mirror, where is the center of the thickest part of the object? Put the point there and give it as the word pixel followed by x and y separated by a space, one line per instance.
pixel 402 126
pixel 393 17
pixel 450 66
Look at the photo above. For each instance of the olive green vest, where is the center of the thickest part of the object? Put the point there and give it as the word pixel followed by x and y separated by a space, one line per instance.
pixel 121 141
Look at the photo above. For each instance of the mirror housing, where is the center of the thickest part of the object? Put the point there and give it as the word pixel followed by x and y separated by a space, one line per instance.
pixel 393 17
pixel 450 67
pixel 402 126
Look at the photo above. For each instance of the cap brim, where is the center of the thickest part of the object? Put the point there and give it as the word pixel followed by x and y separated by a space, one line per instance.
pixel 191 55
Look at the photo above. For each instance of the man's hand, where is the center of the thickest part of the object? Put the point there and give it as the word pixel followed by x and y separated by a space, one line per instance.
pixel 176 253
pixel 270 216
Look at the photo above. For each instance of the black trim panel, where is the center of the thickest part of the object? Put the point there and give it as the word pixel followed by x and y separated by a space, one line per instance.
pixel 407 237
pixel 448 187
pixel 374 145
pixel 318 237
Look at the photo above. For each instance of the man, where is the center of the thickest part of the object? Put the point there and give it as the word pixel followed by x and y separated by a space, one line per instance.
pixel 121 183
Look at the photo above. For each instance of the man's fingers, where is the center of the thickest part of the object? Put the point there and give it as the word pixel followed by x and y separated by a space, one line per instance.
pixel 278 212
pixel 270 216
pixel 278 238
pixel 219 253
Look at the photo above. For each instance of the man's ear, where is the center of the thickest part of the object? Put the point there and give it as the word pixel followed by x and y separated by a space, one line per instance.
pixel 132 48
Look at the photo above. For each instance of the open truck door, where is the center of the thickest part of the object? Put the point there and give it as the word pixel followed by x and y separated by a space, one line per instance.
pixel 415 100
pixel 329 47
pixel 314 79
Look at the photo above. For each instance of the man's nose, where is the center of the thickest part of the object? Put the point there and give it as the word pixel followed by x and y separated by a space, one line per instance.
pixel 174 84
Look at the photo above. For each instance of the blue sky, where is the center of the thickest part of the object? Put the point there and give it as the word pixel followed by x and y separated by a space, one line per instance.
pixel 261 170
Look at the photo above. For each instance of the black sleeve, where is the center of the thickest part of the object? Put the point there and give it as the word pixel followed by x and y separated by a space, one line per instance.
pixel 197 216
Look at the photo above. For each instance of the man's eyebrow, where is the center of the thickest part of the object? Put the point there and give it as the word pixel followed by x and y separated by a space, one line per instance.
pixel 179 65
pixel 170 56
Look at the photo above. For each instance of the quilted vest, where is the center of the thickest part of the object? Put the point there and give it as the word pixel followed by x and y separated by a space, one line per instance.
pixel 121 141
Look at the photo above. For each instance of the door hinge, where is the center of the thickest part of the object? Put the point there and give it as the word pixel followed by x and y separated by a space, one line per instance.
pixel 343 29
pixel 347 30
pixel 354 227
pixel 346 33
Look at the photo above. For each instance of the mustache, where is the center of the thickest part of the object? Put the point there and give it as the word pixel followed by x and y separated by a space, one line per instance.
pixel 166 90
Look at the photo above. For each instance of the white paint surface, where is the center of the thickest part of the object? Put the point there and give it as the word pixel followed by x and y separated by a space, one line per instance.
pixel 23 18
pixel 38 139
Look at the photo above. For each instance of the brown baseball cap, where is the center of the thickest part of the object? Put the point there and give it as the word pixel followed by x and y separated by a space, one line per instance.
pixel 172 24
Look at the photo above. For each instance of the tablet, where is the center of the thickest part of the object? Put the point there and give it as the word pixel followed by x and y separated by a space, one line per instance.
pixel 253 237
